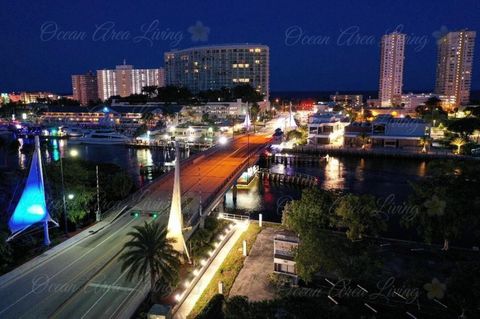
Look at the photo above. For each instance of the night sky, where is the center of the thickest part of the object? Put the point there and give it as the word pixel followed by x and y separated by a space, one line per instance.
pixel 340 49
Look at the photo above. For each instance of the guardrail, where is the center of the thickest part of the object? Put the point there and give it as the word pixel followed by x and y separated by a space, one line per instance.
pixel 233 217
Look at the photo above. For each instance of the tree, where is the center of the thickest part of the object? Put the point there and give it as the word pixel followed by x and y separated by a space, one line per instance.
pixel 446 202
pixel 237 307
pixel 473 110
pixel 364 137
pixel 79 206
pixel 359 215
pixel 300 135
pixel 170 94
pixel 464 126
pixel 458 142
pixel 431 105
pixel 150 252
pixel 122 184
pixel 425 143
pixel 464 289
pixel 150 91
pixel 214 308
pixel 311 213
pixel 254 110
pixel 247 93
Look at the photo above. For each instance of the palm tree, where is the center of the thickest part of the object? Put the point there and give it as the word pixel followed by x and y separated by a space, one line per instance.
pixel 149 251
pixel 424 142
pixel 459 142
pixel 363 139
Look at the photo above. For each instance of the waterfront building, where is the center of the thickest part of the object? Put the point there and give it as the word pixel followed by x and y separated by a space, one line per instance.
pixel 398 112
pixel 284 247
pixel 215 110
pixel 195 133
pixel 124 80
pixel 411 101
pixel 34 97
pixel 354 100
pixel 391 69
pixel 454 65
pixel 124 115
pixel 326 128
pixel 387 131
pixel 85 88
pixel 213 67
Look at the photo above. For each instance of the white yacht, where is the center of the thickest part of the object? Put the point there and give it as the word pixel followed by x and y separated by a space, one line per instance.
pixel 103 136
pixel 73 131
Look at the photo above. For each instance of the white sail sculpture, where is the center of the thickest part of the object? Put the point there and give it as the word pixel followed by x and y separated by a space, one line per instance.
pixel 247 123
pixel 175 219
pixel 32 208
pixel 292 125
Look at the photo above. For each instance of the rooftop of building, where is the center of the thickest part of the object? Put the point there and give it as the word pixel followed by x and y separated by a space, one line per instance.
pixel 220 46
pixel 286 235
pixel 319 118
pixel 389 119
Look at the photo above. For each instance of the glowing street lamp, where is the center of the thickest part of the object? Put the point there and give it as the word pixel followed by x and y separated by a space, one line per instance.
pixel 71 196
pixel 222 140
pixel 72 153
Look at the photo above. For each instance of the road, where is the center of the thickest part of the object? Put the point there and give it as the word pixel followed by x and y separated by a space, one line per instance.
pixel 85 280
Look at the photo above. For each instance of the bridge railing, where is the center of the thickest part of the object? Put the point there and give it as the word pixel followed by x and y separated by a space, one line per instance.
pixel 234 217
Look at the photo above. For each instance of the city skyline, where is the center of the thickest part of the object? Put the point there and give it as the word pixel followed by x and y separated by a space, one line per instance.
pixel 337 50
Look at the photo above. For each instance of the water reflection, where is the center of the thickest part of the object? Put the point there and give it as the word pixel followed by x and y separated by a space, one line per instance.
pixel 333 174
pixel 377 176
pixel 142 164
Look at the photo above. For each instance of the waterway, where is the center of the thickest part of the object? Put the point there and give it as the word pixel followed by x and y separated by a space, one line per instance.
pixel 134 160
pixel 385 178
pixel 389 180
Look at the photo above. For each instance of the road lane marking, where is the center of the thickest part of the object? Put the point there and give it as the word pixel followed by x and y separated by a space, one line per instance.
pixel 65 268
pixel 55 255
pixel 103 295
pixel 112 287
pixel 127 298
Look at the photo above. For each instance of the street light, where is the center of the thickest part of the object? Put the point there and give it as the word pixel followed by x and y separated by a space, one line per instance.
pixel 71 196
pixel 73 153
pixel 222 140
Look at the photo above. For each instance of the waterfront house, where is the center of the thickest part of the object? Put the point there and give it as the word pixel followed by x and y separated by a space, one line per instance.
pixel 326 128
pixel 387 131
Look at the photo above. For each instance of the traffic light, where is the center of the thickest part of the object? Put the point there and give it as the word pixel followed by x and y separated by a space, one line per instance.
pixel 154 215
pixel 135 213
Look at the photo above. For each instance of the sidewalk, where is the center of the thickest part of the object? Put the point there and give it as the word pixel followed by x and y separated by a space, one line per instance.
pixel 252 281
pixel 189 302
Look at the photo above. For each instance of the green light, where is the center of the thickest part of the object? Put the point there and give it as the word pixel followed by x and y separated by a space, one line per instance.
pixel 135 214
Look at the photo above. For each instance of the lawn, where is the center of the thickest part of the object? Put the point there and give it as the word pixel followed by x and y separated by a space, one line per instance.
pixel 229 269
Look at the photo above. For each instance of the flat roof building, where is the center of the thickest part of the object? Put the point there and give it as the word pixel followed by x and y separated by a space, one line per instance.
pixel 454 65
pixel 124 80
pixel 213 67
pixel 391 69
pixel 84 88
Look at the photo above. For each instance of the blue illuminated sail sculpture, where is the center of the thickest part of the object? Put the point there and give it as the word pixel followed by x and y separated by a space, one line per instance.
pixel 32 207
